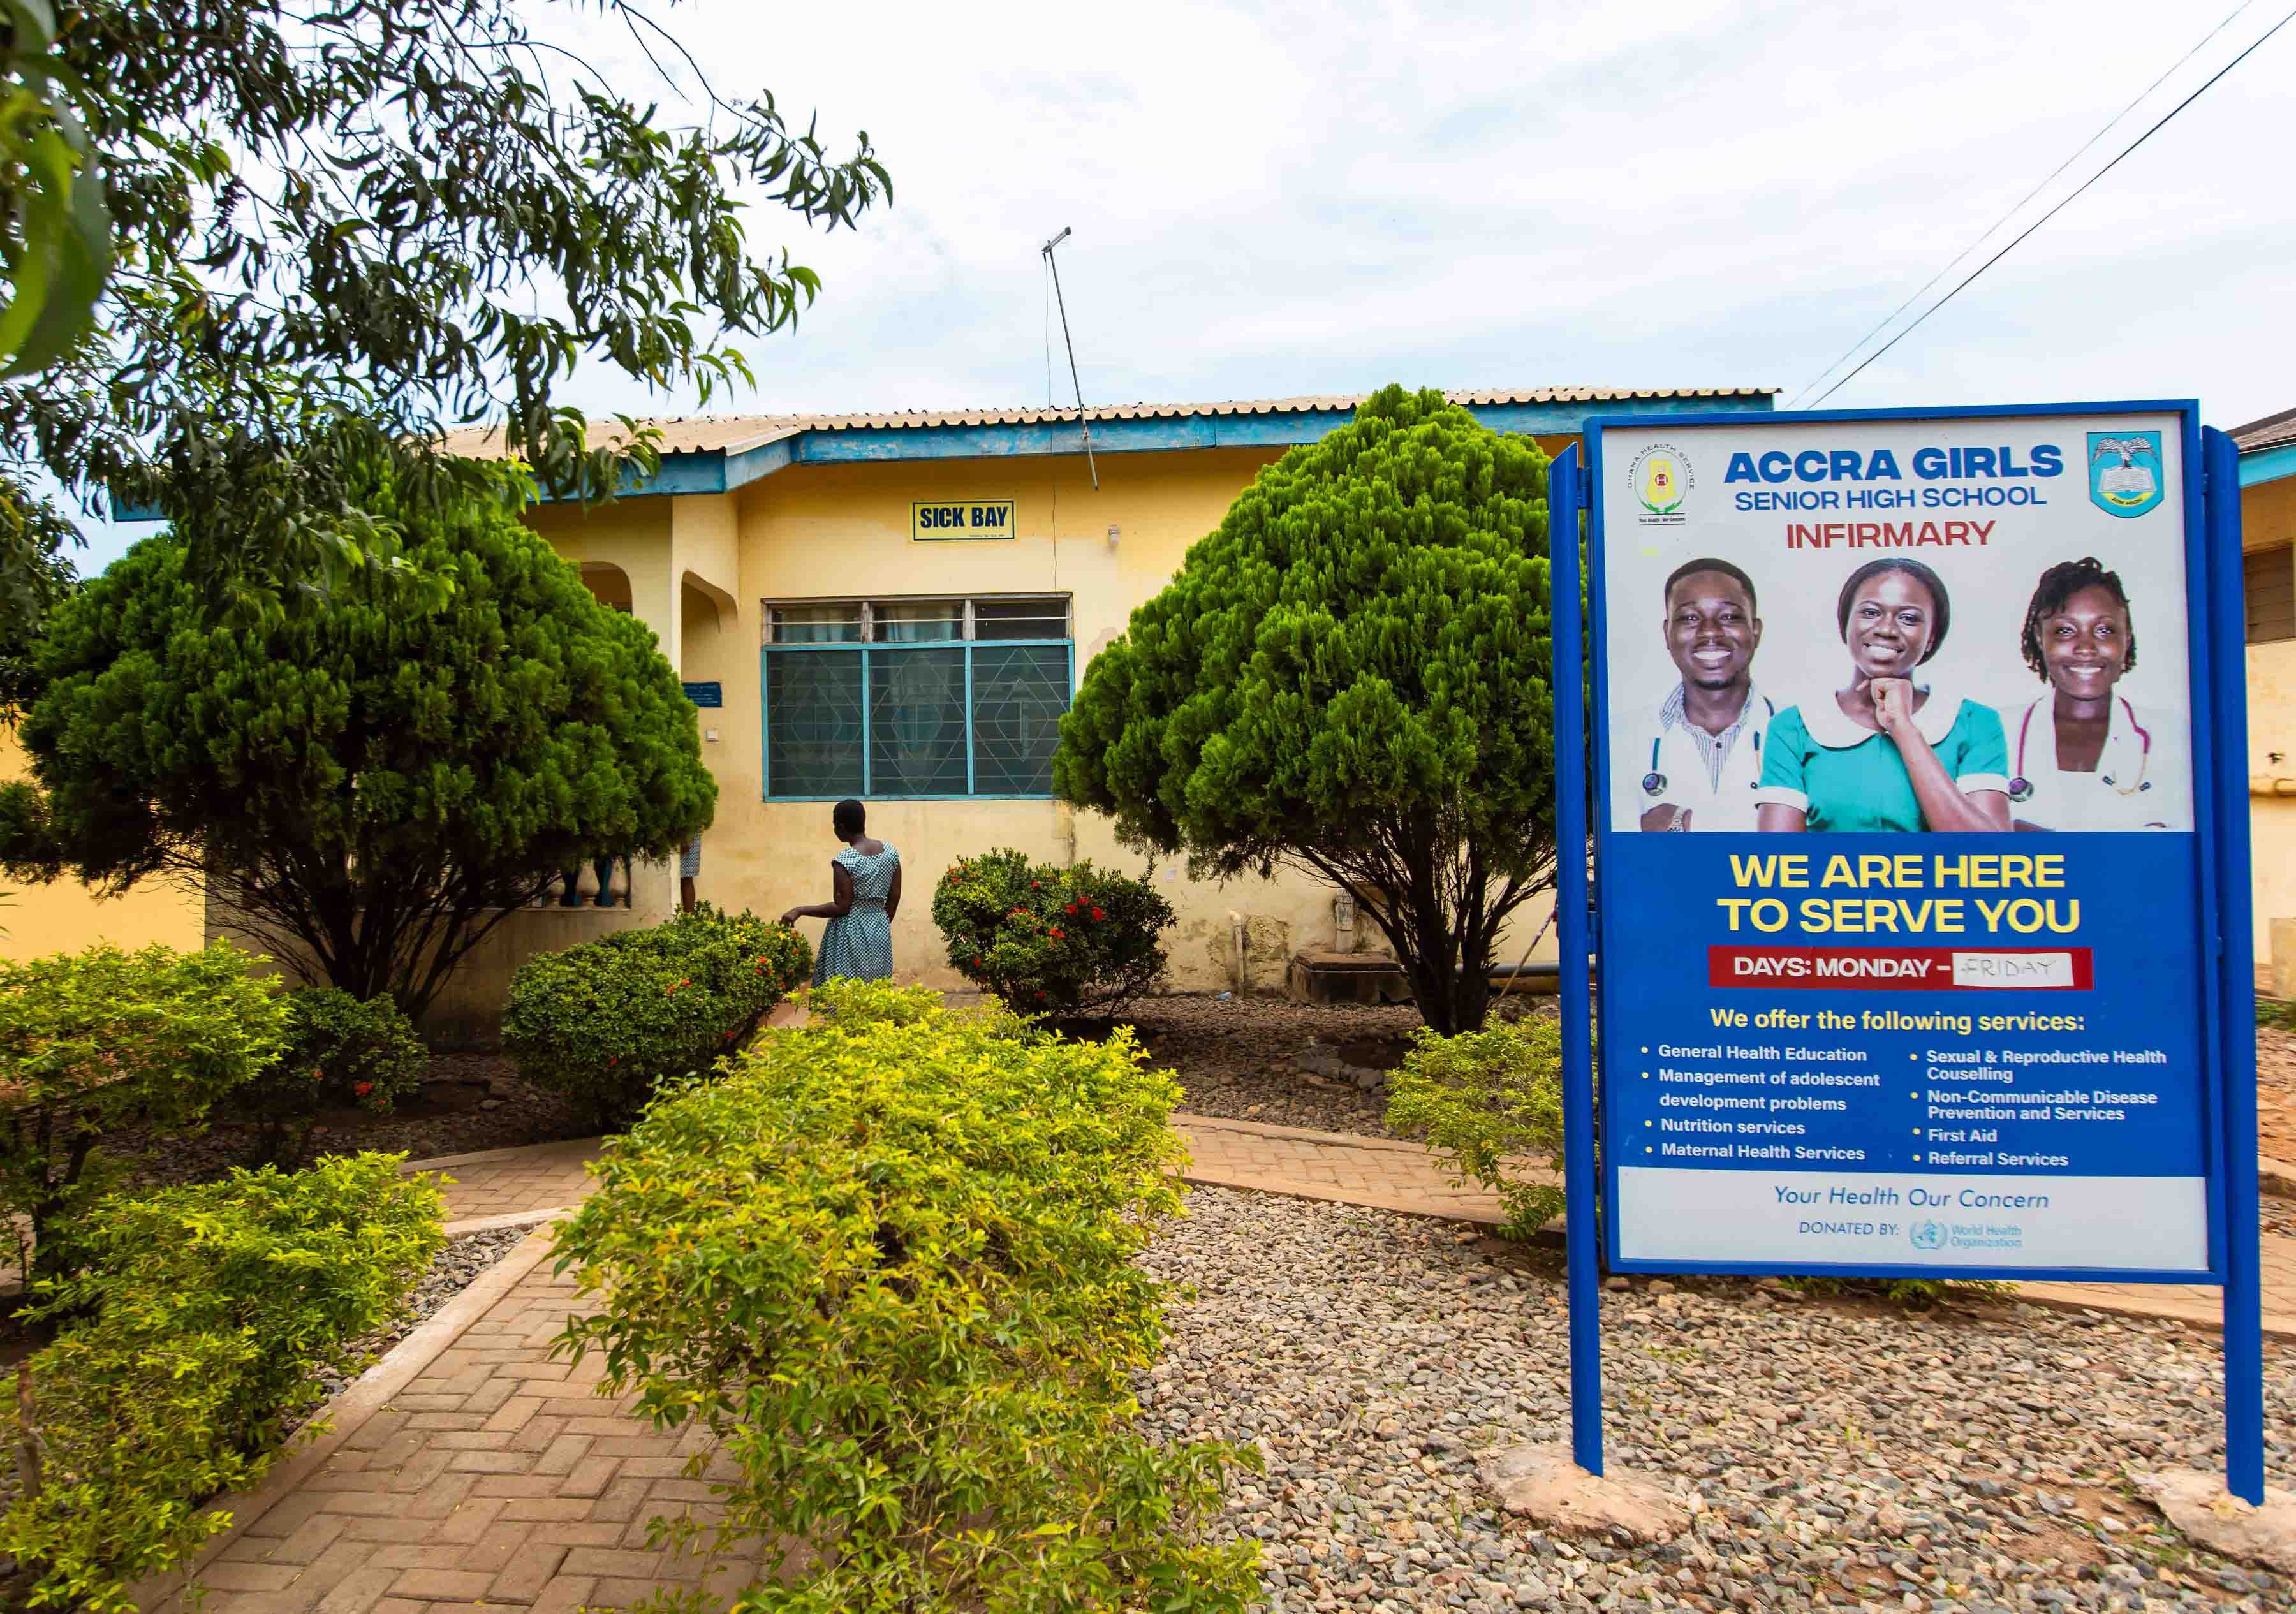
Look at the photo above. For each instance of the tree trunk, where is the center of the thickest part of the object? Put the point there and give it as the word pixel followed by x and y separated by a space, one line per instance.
pixel 1450 975
pixel 30 1476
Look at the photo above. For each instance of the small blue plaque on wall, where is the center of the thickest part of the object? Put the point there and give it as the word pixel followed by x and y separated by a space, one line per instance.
pixel 713 694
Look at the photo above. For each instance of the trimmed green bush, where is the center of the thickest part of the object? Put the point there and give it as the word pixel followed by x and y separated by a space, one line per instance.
pixel 888 1263
pixel 203 1326
pixel 95 1041
pixel 1487 1101
pixel 608 1023
pixel 340 1053
pixel 1050 941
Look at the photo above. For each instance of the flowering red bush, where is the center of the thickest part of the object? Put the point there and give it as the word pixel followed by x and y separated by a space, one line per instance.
pixel 341 1051
pixel 1050 939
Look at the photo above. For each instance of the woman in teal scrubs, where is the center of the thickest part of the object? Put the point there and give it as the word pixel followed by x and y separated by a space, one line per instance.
pixel 1884 754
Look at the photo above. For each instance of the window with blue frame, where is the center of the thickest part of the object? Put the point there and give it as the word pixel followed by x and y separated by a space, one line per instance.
pixel 885 699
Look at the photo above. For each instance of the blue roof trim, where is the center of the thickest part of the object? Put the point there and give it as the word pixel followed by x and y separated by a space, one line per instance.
pixel 717 471
pixel 862 445
pixel 2267 464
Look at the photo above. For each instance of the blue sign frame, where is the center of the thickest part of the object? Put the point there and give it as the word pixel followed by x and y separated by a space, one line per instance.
pixel 2222 945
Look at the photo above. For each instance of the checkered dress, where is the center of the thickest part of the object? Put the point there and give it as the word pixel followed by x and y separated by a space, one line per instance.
pixel 859 945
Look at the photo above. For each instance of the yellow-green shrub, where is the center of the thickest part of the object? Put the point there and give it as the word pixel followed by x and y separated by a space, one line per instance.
pixel 1487 1099
pixel 95 1042
pixel 202 1327
pixel 888 1262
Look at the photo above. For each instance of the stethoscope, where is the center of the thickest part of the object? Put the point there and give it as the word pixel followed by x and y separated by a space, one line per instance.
pixel 1655 782
pixel 2020 789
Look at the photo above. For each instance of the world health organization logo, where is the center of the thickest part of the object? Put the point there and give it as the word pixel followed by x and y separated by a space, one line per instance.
pixel 2124 472
pixel 1927 1235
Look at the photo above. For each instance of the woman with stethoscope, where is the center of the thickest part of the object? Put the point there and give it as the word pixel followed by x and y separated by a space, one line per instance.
pixel 2080 756
pixel 1882 753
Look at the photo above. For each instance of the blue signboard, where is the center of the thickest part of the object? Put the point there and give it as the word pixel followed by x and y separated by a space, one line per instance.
pixel 713 694
pixel 1851 1056
pixel 1913 853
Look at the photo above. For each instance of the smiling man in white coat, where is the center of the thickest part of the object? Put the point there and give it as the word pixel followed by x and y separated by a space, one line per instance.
pixel 1703 745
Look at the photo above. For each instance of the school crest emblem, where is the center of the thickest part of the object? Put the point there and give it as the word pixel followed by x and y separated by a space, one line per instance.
pixel 2124 472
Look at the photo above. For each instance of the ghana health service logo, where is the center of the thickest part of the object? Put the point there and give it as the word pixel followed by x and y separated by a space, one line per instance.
pixel 1661 477
pixel 2124 472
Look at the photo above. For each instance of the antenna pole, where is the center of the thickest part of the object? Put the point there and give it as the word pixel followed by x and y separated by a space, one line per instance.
pixel 1067 341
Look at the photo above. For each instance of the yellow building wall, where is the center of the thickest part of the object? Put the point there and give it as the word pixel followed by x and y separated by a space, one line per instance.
pixel 830 531
pixel 813 532
pixel 699 570
pixel 65 916
pixel 2268 514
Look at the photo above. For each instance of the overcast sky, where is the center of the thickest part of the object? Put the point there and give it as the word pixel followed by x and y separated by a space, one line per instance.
pixel 1275 199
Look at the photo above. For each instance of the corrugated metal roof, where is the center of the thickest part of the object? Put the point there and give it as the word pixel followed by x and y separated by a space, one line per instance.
pixel 738 433
pixel 2270 432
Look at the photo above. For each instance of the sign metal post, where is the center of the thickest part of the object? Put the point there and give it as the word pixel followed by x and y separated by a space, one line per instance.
pixel 1565 499
pixel 2244 1296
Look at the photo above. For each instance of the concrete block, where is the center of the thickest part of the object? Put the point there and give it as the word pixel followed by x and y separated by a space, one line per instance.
pixel 2197 1504
pixel 1543 1484
pixel 2284 958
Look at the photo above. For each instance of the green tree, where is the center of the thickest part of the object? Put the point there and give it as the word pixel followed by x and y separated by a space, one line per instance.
pixel 250 245
pixel 1351 676
pixel 371 784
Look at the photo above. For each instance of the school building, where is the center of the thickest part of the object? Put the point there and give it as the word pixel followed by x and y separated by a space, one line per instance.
pixel 898 607
pixel 2267 516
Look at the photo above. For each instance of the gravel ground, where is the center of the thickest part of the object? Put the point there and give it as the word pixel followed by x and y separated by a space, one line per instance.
pixel 1234 1058
pixel 468 1101
pixel 454 1117
pixel 455 1269
pixel 1842 1452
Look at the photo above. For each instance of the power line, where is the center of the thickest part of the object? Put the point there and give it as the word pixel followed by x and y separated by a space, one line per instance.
pixel 2124 153
pixel 1984 235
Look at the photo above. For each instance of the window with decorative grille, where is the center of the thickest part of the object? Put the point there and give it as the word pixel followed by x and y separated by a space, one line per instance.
pixel 912 698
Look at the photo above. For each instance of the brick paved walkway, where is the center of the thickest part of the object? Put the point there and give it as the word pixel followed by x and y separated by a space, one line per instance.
pixel 469 1469
pixel 502 1187
pixel 1330 1166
